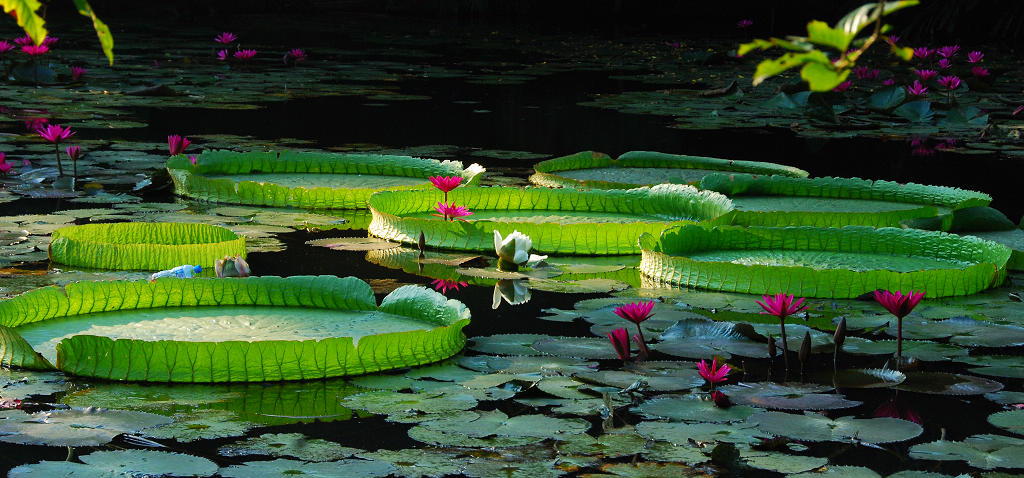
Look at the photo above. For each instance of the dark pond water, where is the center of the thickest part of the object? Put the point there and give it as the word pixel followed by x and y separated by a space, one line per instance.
pixel 543 116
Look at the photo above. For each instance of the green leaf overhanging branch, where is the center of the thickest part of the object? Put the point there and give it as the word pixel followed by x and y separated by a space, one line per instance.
pixel 25 13
pixel 816 67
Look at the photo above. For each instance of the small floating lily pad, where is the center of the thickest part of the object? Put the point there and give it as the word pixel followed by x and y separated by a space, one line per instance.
pixel 75 427
pixel 942 383
pixel 1010 420
pixel 295 445
pixel 592 170
pixel 692 408
pixel 328 469
pixel 558 221
pixel 803 396
pixel 143 246
pixel 822 262
pixel 815 427
pixel 122 463
pixel 982 451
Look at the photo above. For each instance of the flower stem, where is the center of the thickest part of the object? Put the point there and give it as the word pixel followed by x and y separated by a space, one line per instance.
pixel 899 340
pixel 785 345
pixel 643 345
pixel 60 168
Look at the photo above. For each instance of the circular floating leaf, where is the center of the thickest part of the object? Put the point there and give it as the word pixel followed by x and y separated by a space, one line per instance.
pixel 1009 366
pixel 295 445
pixel 122 463
pixel 681 433
pixel 782 462
pixel 703 338
pixel 425 326
pixel 143 246
pixel 506 344
pixel 941 383
pixel 673 380
pixel 919 349
pixel 330 469
pixel 862 378
pixel 418 462
pixel 814 427
pixel 692 408
pixel 980 451
pixel 573 222
pixel 822 262
pixel 353 244
pixel 963 331
pixel 1006 397
pixel 1010 420
pixel 75 427
pixel 840 471
pixel 576 347
pixel 305 180
pixel 786 396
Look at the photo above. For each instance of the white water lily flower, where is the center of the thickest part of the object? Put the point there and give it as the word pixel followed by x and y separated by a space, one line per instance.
pixel 514 292
pixel 514 249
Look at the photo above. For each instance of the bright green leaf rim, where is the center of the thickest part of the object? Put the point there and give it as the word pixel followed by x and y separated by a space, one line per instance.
pixel 241 361
pixel 595 238
pixel 546 171
pixel 191 181
pixel 665 259
pixel 930 199
pixel 143 246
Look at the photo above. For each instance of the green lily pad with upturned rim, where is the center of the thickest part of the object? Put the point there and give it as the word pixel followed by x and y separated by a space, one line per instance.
pixel 593 170
pixel 436 335
pixel 833 202
pixel 143 246
pixel 822 262
pixel 559 221
pixel 290 178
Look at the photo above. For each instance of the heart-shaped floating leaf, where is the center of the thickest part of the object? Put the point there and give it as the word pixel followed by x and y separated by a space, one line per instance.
pixel 782 462
pixel 941 383
pixel 815 427
pixel 692 408
pixel 115 462
pixel 354 243
pixel 703 338
pixel 920 349
pixel 610 445
pixel 576 347
pixel 1006 397
pixel 980 451
pixel 664 382
pixel 963 331
pixel 75 427
pixel 285 467
pixel 682 434
pixel 295 445
pixel 506 344
pixel 524 365
pixel 862 378
pixel 1009 366
pixel 1010 420
pixel 803 396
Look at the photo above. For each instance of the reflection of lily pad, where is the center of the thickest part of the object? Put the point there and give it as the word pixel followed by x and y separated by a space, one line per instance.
pixel 787 396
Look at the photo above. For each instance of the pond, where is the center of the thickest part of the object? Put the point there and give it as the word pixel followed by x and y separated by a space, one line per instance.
pixel 285 374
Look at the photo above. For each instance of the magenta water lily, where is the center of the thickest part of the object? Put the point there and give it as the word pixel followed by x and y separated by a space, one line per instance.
pixel 620 341
pixel 56 133
pixel 917 89
pixel 176 144
pixel 782 305
pixel 77 73
pixel 713 373
pixel 444 285
pixel 898 304
pixel 225 38
pixel 637 312
pixel 5 166
pixel 451 211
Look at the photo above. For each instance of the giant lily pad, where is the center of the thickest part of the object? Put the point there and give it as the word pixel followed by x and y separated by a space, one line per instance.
pixel 558 221
pixel 143 246
pixel 236 330
pixel 822 262
pixel 833 202
pixel 591 170
pixel 306 180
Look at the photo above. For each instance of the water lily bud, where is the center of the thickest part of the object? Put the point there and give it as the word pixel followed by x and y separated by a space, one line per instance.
pixel 772 351
pixel 840 335
pixel 805 347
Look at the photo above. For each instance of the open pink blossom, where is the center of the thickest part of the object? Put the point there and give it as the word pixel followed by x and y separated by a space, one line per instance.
pixel 897 303
pixel 444 285
pixel 979 71
pixel 5 166
pixel 6 46
pixel 635 312
pixel 894 39
pixel 451 211
pixel 74 152
pixel 843 86
pixel 176 144
pixel 865 73
pixel 923 52
pixel 225 37
pixel 950 82
pixel 24 40
pixel 917 89
pixel 781 305
pixel 713 373
pixel 945 63
pixel 620 341
pixel 245 54
pixel 889 82
pixel 55 133
pixel 222 55
pixel 445 183
pixel 77 73
pixel 50 41
pixel 296 55
pixel 975 56
pixel 926 75
pixel 948 51
pixel 745 23
pixel 35 50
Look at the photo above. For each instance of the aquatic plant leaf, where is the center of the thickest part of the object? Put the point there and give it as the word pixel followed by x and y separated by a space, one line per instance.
pixel 20 384
pixel 942 383
pixel 294 445
pixel 981 451
pixel 692 408
pixel 963 331
pixel 1014 239
pixel 782 462
pixel 840 471
pixel 105 463
pixel 578 222
pixel 681 433
pixel 862 378
pixel 485 468
pixel 16 352
pixel 231 360
pixel 201 425
pixel 506 344
pixel 645 469
pixel 607 445
pixel 353 244
pixel 675 380
pixel 663 451
pixel 592 170
pixel 526 365
pixel 74 427
pixel 329 469
pixel 387 402
pixel 915 111
pixel 418 462
pixel 304 180
pixel 1009 366
pixel 822 262
pixel 1006 397
pixel 143 246
pixel 1010 420
pixel 920 349
pixel 562 387
pixel 576 347
pixel 702 338
pixel 887 98
pixel 790 396
pixel 815 427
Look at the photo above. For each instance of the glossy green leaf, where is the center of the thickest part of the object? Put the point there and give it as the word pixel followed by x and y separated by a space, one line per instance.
pixel 144 246
pixel 102 30
pixel 24 12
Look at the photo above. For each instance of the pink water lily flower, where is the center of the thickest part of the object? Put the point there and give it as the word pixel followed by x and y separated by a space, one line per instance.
pixel 444 285
pixel 782 305
pixel 245 54
pixel 893 39
pixel 176 144
pixel 5 166
pixel 948 51
pixel 889 82
pixel 6 46
pixel 225 37
pixel 926 75
pixel 917 89
pixel 77 72
pixel 945 63
pixel 720 399
pixel 923 52
pixel 865 73
pixel 745 23
pixel 975 56
pixel 35 50
pixel 445 183
pixel 193 159
pixel 620 341
pixel 74 152
pixel 451 211
pixel 296 55
pixel 55 133
pixel 979 71
pixel 33 124
pixel 951 82
pixel 843 86
pixel 900 305
pixel 713 373
pixel 635 312
pixel 222 55
pixel 49 41
pixel 24 40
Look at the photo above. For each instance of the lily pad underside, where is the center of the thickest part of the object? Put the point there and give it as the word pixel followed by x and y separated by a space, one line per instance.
pixel 143 246
pixel 233 330
pixel 560 221
pixel 834 202
pixel 303 179
pixel 822 262
pixel 593 170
